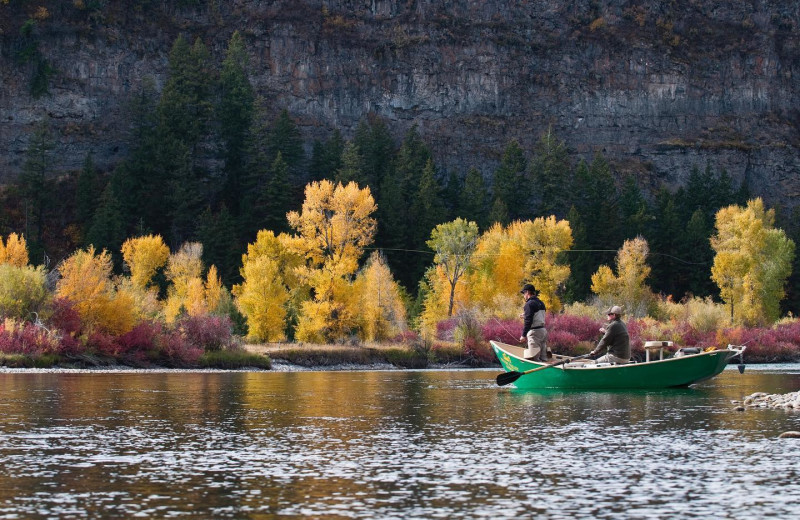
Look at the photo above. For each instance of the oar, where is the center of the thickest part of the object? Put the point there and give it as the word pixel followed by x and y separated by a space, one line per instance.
pixel 507 378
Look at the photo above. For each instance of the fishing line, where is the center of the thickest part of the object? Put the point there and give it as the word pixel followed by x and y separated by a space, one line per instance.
pixel 488 255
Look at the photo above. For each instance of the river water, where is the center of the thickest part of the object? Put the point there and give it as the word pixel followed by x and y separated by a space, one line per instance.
pixel 389 444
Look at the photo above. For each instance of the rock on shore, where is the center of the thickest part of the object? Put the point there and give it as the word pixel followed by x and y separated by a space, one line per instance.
pixel 790 401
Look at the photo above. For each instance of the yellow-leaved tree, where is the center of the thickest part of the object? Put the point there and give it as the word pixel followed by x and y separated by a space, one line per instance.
pixel 269 281
pixel 752 262
pixel 524 251
pixel 14 251
pixel 144 256
pixel 189 292
pixel 628 286
pixel 453 242
pixel 381 311
pixel 333 228
pixel 86 282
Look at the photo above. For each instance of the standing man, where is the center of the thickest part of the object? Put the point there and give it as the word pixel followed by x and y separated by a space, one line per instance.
pixel 533 326
pixel 615 340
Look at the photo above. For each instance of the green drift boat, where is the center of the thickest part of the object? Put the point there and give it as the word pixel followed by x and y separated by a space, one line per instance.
pixel 688 366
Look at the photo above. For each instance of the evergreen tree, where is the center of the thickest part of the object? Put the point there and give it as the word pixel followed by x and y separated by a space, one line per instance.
pixel 326 158
pixel 603 206
pixel 352 168
pixel 217 233
pixel 578 286
pixel 146 177
pixel 430 210
pixel 285 138
pixel 633 209
pixel 499 213
pixel 87 193
pixel 235 115
pixel 184 113
pixel 509 180
pixel 551 176
pixel 107 229
pixel 665 238
pixel 185 201
pixel 377 148
pixel 277 197
pixel 698 256
pixel 412 158
pixel 35 188
pixel 452 194
pixel 398 209
pixel 472 200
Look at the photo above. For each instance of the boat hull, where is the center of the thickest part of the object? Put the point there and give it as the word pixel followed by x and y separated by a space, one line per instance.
pixel 673 372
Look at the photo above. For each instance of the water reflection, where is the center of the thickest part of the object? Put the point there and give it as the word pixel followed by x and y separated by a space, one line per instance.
pixel 388 445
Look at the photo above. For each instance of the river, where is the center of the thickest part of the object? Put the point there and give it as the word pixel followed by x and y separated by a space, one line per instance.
pixel 389 444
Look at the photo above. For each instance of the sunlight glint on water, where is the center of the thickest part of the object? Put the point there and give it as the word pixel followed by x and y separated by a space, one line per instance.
pixel 430 444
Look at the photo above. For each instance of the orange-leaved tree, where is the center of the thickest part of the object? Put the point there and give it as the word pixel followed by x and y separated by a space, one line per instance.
pixel 86 282
pixel 333 228
pixel 189 293
pixel 524 251
pixel 14 251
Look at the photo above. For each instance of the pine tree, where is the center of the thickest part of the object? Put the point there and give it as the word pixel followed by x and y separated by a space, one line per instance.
pixel 352 168
pixel 472 200
pixel 578 286
pixel 550 174
pixel 277 196
pixel 451 194
pixel 430 210
pixel 665 240
pixel 398 205
pixel 499 213
pixel 184 113
pixel 377 148
pixel 235 115
pixel 217 233
pixel 107 230
pixel 697 253
pixel 35 187
pixel 633 209
pixel 326 158
pixel 509 180
pixel 147 186
pixel 284 137
pixel 87 192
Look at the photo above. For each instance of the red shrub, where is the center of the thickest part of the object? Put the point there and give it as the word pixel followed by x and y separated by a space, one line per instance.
pixel 27 339
pixel 505 331
pixel 407 336
pixel 65 317
pixel 584 329
pixel 179 351
pixel 143 337
pixel 479 351
pixel 562 341
pixel 445 329
pixel 104 344
pixel 209 331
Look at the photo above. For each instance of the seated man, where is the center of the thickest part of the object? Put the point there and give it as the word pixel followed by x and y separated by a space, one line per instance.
pixel 615 339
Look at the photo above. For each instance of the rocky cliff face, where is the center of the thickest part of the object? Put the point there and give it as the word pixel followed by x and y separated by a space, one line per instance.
pixel 657 86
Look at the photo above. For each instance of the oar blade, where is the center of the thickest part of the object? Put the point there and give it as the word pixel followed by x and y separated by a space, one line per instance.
pixel 506 378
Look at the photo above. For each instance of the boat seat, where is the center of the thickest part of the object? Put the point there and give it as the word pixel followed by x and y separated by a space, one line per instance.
pixel 653 346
